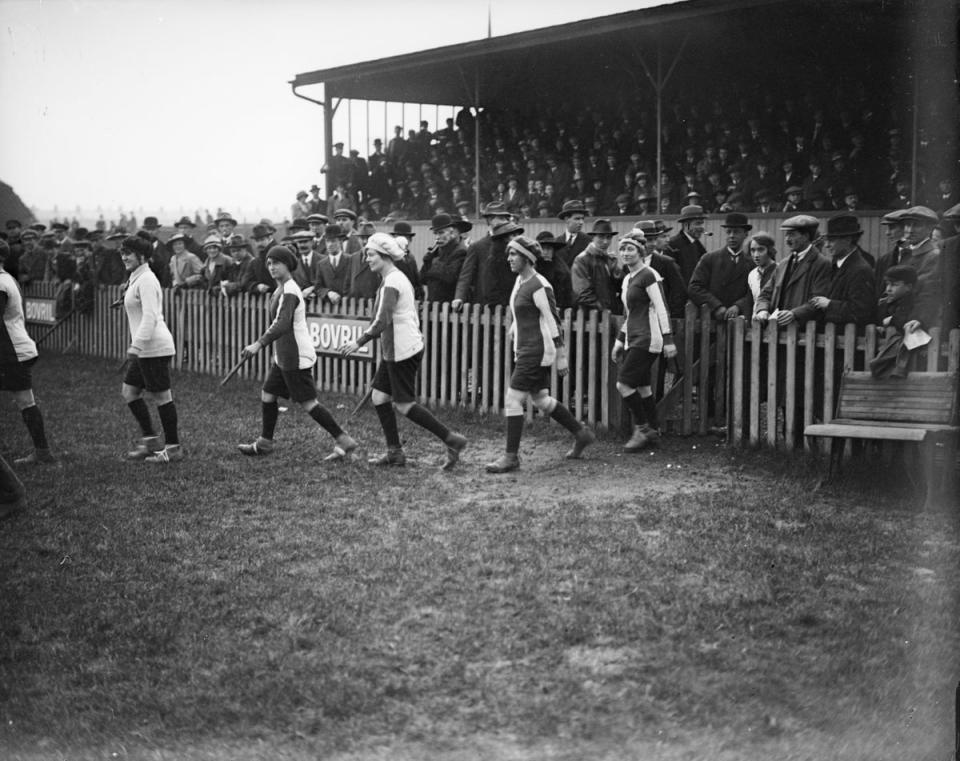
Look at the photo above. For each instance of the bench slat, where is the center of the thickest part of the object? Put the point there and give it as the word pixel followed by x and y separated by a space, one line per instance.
pixel 851 431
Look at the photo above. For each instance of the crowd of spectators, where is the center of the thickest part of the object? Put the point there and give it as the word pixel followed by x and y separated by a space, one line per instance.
pixel 779 155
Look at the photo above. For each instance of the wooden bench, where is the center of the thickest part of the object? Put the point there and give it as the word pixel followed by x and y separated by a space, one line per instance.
pixel 920 409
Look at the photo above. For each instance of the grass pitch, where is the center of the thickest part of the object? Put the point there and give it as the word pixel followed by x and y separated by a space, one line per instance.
pixel 692 603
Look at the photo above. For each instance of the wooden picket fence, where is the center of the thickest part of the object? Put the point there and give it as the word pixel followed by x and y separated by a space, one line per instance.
pixel 729 369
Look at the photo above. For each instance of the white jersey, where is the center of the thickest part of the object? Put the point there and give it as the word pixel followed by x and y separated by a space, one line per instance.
pixel 15 342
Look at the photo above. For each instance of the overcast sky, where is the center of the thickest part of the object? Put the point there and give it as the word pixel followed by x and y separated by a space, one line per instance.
pixel 166 106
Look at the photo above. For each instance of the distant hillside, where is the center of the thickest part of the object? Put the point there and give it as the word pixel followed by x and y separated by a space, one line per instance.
pixel 11 207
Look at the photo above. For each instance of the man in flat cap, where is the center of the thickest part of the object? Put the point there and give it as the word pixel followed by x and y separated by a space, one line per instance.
pixel 921 254
pixel 307 273
pixel 799 277
pixel 892 224
pixel 347 219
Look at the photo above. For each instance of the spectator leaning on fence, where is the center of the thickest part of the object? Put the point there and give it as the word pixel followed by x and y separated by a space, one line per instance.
pixel 555 270
pixel 18 353
pixel 477 272
pixel 719 280
pixel 645 334
pixel 572 215
pixel 241 277
pixel 595 271
pixel 186 269
pixel 893 230
pixel 217 267
pixel 685 246
pixel 851 296
pixel 922 255
pixel 763 253
pixel 397 325
pixel 333 270
pixel 307 273
pixel 537 344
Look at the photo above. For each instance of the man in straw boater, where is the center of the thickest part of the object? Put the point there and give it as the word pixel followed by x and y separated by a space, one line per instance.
pixel 18 353
pixel 397 324
pixel 537 344
pixel 148 357
pixel 291 373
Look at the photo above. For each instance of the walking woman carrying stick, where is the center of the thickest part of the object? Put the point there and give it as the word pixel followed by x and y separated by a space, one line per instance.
pixel 291 374
pixel 148 358
pixel 18 353
pixel 397 325
pixel 645 334
pixel 537 344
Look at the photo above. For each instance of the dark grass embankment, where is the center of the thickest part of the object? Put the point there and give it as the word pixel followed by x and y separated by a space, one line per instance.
pixel 688 604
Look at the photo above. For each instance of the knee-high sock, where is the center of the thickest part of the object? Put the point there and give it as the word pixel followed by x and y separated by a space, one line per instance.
pixel 168 419
pixel 563 416
pixel 650 408
pixel 514 433
pixel 322 415
pixel 425 419
pixel 269 412
pixel 635 404
pixel 33 419
pixel 388 421
pixel 142 415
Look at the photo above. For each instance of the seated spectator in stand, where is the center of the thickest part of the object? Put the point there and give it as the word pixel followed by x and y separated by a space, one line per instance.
pixel 902 197
pixel 483 278
pixel 794 202
pixel 763 252
pixel 765 203
pixel 307 273
pixel 946 196
pixel 595 271
pixel 443 262
pixel 333 275
pixel 851 296
pixel 218 265
pixel 624 206
pixel 817 201
pixel 719 280
pixel 555 270
pixel 656 256
pixel 186 269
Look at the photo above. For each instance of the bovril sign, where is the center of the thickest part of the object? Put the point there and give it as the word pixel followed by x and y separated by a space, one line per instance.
pixel 329 333
pixel 41 311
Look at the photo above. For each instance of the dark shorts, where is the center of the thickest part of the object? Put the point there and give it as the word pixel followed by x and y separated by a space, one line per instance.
pixel 635 369
pixel 17 376
pixel 297 385
pixel 529 375
pixel 399 379
pixel 150 373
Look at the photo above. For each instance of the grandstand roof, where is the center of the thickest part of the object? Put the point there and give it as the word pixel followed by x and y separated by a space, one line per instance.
pixel 540 60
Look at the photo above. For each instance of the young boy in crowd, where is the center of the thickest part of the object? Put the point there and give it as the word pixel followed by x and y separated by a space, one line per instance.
pixel 899 309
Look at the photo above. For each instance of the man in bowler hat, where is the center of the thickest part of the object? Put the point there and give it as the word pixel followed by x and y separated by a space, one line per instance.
pixel 719 280
pixel 851 296
pixel 685 246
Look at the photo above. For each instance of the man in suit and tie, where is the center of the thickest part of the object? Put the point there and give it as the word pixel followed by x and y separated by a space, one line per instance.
pixel 685 246
pixel 574 239
pixel 475 274
pixel 852 293
pixel 160 256
pixel 334 268
pixel 719 280
pixel 307 273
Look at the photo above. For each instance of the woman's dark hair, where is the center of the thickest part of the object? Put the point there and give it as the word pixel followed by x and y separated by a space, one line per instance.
pixel 137 245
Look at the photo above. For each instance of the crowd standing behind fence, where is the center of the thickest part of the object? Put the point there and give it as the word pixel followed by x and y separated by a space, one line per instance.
pixel 468 333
